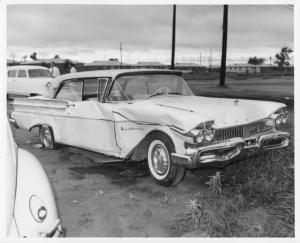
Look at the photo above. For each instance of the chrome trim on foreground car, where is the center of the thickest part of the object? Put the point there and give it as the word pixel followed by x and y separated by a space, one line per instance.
pixel 57 230
pixel 228 149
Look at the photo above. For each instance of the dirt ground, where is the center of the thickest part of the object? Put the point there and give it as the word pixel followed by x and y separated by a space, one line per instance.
pixel 113 199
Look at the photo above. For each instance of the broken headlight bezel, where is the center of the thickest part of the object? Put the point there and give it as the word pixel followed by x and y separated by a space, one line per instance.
pixel 280 116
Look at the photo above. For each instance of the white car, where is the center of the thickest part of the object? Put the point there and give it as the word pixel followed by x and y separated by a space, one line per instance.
pixel 28 80
pixel 150 115
pixel 30 205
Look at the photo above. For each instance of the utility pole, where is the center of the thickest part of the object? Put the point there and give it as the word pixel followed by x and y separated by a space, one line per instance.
pixel 210 59
pixel 224 46
pixel 121 54
pixel 173 36
pixel 200 59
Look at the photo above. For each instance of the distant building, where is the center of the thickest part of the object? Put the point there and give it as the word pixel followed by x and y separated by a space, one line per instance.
pixel 152 65
pixel 189 67
pixel 62 64
pixel 213 68
pixel 267 68
pixel 263 68
pixel 243 68
pixel 103 65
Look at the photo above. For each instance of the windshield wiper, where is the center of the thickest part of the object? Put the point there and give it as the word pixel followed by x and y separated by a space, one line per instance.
pixel 155 94
pixel 159 92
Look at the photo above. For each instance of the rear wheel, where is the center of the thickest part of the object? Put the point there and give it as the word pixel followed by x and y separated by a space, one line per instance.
pixel 46 137
pixel 160 164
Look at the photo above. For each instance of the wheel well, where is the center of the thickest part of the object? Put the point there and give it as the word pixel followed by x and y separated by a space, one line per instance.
pixel 39 125
pixel 140 152
pixel 36 125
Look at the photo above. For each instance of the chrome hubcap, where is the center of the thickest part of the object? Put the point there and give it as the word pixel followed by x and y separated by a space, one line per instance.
pixel 46 137
pixel 160 159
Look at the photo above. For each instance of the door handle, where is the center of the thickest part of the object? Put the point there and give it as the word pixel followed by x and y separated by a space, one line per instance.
pixel 68 105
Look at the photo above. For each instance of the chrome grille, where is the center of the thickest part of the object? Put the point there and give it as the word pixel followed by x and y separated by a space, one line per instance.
pixel 240 131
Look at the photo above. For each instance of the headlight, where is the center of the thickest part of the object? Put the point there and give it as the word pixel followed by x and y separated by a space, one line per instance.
pixel 280 116
pixel 200 136
pixel 209 135
pixel 269 123
pixel 37 208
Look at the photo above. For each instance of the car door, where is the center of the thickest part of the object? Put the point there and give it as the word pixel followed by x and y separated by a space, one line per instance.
pixel 89 122
pixel 11 79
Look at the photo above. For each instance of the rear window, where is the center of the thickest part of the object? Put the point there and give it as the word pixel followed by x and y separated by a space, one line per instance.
pixel 22 74
pixel 39 73
pixel 12 73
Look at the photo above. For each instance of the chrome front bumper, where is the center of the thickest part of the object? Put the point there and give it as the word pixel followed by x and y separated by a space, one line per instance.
pixel 228 149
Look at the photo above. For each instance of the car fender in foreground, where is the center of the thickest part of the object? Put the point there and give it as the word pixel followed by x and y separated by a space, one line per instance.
pixel 35 211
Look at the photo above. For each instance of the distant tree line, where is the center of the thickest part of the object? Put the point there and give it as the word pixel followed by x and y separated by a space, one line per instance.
pixel 282 58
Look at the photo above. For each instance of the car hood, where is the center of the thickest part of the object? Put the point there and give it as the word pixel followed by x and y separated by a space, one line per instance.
pixel 186 112
pixel 225 112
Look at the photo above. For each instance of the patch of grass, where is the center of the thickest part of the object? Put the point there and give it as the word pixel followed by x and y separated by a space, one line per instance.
pixel 206 75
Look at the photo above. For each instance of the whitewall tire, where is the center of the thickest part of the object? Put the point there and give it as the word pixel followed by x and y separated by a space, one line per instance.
pixel 160 165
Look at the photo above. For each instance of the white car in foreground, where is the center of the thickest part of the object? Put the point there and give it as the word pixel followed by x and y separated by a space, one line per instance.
pixel 30 205
pixel 28 80
pixel 150 115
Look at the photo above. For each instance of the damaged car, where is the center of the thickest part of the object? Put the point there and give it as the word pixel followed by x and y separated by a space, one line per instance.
pixel 138 115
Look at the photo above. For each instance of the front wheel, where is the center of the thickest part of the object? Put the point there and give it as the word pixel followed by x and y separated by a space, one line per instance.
pixel 160 164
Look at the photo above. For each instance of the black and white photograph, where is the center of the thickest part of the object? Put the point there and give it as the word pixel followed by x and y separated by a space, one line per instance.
pixel 172 119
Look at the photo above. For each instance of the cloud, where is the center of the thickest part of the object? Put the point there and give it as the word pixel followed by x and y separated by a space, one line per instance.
pixel 86 29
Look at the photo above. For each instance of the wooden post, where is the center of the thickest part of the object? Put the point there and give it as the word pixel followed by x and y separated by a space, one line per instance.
pixel 224 46
pixel 173 36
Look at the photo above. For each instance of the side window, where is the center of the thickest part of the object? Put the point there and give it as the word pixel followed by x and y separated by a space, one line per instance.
pixel 22 74
pixel 71 91
pixel 12 73
pixel 102 86
pixel 92 86
pixel 90 89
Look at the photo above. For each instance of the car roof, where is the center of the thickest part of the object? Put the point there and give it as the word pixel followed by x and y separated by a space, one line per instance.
pixel 26 67
pixel 113 73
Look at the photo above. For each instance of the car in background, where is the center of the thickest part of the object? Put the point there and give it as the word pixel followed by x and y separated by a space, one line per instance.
pixel 30 205
pixel 151 115
pixel 28 80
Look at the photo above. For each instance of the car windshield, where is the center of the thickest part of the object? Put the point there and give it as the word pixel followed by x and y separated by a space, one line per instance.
pixel 39 73
pixel 134 87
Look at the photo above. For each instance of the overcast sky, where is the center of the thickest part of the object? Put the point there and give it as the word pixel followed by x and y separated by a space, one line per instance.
pixel 94 32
